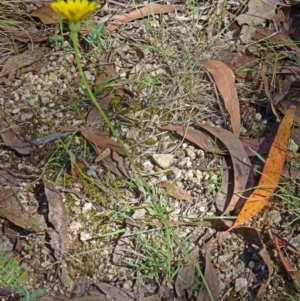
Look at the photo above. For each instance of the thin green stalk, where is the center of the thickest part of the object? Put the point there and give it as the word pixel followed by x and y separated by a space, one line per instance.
pixel 74 37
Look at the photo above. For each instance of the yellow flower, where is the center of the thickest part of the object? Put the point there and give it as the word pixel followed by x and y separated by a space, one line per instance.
pixel 74 10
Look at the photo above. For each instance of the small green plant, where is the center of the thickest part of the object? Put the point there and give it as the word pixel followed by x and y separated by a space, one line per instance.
pixel 54 40
pixel 13 275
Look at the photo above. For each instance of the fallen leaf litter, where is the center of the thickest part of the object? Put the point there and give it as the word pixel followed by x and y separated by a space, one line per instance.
pixel 46 108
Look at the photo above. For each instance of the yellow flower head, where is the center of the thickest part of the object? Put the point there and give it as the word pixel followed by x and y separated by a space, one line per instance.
pixel 74 10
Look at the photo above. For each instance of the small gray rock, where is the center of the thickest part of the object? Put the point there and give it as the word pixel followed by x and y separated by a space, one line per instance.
pixel 293 147
pixel 240 284
pixel 163 160
pixel 273 217
pixel 190 153
pixel 258 116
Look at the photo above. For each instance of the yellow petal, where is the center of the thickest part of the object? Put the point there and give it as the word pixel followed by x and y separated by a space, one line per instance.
pixel 74 10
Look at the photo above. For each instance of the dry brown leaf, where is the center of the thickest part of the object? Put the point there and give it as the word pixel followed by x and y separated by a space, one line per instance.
pixel 257 145
pixel 6 178
pixel 11 136
pixel 185 278
pixel 110 165
pixel 249 60
pixel 77 167
pixel 277 38
pixel 211 278
pixel 293 272
pixel 225 82
pixel 102 140
pixel 242 177
pixel 120 163
pixel 103 155
pixel 26 33
pixel 11 209
pixel 145 11
pixel 201 139
pixel 47 15
pixel 94 117
pixel 59 217
pixel 13 63
pixel 176 191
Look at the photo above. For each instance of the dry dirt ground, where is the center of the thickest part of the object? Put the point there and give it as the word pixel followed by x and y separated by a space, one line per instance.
pixel 81 219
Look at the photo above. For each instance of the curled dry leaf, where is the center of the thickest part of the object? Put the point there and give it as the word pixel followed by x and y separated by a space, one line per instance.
pixel 225 193
pixel 225 82
pixel 242 177
pixel 120 163
pixel 59 217
pixel 102 140
pixel 271 171
pixel 201 139
pixel 103 155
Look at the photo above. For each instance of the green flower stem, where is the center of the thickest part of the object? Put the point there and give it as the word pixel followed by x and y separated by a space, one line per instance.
pixel 74 27
pixel 74 36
